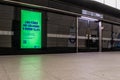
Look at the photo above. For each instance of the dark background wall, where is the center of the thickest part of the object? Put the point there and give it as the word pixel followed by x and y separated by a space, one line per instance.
pixel 6 18
pixel 59 28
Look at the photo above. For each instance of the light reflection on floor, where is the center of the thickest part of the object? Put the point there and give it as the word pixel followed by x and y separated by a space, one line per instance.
pixel 82 66
pixel 28 71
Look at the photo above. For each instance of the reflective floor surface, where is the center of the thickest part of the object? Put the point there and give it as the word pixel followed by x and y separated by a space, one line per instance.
pixel 81 66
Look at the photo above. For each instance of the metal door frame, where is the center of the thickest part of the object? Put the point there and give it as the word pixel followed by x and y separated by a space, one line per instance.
pixel 99 36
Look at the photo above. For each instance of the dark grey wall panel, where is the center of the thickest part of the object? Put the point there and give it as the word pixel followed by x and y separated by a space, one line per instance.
pixel 62 42
pixel 5 25
pixel 5 41
pixel 106 26
pixel 60 19
pixel 5 44
pixel 6 18
pixel 107 31
pixel 60 23
pixel 83 25
pixel 51 42
pixel 52 28
pixel 82 43
pixel 4 38
pixel 94 28
pixel 6 12
pixel 116 29
pixel 60 26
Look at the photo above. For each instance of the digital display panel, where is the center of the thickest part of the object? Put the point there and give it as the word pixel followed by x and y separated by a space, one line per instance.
pixel 31 29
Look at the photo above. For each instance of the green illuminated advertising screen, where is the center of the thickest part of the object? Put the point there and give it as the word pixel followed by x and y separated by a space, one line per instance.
pixel 31 29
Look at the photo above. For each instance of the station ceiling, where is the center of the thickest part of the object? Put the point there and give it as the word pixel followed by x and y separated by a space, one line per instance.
pixel 95 6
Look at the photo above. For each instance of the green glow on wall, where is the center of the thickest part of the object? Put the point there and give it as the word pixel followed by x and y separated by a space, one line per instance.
pixel 31 29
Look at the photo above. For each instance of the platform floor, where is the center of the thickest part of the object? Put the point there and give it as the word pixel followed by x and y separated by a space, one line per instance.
pixel 81 66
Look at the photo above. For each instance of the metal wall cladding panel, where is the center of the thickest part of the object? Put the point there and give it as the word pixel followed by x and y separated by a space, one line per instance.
pixel 82 29
pixel 6 12
pixel 58 29
pixel 84 23
pixel 64 30
pixel 94 25
pixel 106 44
pixel 82 32
pixel 107 26
pixel 61 19
pixel 5 25
pixel 62 42
pixel 107 30
pixel 94 32
pixel 52 28
pixel 5 38
pixel 51 42
pixel 60 23
pixel 6 44
pixel 116 29
pixel 6 17
pixel 53 16
pixel 106 34
pixel 81 43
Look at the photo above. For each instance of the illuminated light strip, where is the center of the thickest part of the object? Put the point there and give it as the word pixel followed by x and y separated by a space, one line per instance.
pixel 60 36
pixel 107 39
pixel 88 18
pixel 116 39
pixel 79 37
pixel 6 33
pixel 67 36
pixel 82 37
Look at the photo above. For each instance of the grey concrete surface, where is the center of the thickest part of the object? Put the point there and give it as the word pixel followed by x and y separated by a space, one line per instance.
pixel 81 66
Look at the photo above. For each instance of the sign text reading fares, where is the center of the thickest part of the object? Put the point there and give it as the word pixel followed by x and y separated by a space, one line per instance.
pixel 31 25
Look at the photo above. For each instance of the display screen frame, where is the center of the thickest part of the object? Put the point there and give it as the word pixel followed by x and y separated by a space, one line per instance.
pixel 39 41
